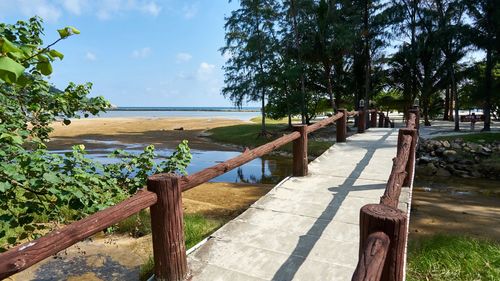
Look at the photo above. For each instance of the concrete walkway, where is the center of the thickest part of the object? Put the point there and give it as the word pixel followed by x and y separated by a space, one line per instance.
pixel 305 228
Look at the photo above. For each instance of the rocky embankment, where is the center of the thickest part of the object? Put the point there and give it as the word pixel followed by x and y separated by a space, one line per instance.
pixel 458 158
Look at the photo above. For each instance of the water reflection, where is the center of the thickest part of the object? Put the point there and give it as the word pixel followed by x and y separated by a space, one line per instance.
pixel 269 169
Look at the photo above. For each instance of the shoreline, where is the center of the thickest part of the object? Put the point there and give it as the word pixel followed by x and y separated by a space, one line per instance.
pixel 120 132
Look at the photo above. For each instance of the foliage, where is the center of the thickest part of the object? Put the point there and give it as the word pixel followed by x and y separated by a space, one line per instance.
pixel 37 186
pixel 445 257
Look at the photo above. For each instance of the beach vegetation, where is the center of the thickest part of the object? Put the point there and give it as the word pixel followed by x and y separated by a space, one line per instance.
pixel 40 190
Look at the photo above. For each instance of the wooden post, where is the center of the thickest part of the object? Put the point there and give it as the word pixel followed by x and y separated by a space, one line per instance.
pixel 386 122
pixel 300 152
pixel 381 118
pixel 373 119
pixel 392 222
pixel 410 166
pixel 361 120
pixel 342 126
pixel 417 114
pixel 169 249
pixel 372 258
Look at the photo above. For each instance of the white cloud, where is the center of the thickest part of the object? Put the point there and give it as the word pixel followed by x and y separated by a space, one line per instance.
pixel 183 57
pixel 141 53
pixel 205 71
pixel 90 56
pixel 74 6
pixel 151 8
pixel 52 10
pixel 190 11
pixel 28 8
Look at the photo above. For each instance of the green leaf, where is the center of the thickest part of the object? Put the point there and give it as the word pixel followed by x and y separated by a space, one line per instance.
pixel 56 54
pixel 10 70
pixel 4 186
pixel 44 67
pixel 51 177
pixel 9 47
pixel 68 31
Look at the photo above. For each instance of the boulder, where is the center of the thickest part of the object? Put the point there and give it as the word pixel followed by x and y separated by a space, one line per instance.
pixel 446 144
pixel 427 170
pixel 456 146
pixel 449 152
pixel 441 172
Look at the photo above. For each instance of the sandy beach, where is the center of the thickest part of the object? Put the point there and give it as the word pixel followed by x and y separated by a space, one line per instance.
pixel 102 133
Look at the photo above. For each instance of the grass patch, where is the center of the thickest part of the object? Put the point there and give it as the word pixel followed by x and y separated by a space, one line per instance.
pixel 196 228
pixel 246 135
pixel 446 257
pixel 474 137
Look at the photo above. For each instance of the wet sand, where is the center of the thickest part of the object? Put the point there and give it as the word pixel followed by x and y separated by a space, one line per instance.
pixel 103 133
pixel 456 214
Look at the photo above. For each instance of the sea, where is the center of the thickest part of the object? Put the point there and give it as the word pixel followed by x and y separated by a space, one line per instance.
pixel 243 113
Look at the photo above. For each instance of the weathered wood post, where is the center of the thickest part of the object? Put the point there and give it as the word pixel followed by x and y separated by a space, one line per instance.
pixel 167 221
pixel 361 120
pixel 300 152
pixel 410 166
pixel 386 122
pixel 372 257
pixel 417 114
pixel 381 118
pixel 342 126
pixel 392 222
pixel 373 119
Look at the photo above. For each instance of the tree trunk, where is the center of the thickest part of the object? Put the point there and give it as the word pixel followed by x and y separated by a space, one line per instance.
pixel 488 88
pixel 446 104
pixel 455 96
pixel 368 60
pixel 263 111
pixel 329 87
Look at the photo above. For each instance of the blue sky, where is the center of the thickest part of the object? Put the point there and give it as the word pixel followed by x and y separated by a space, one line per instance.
pixel 136 52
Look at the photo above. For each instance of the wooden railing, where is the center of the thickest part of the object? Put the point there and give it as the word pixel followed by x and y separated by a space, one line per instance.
pixel 383 227
pixel 164 197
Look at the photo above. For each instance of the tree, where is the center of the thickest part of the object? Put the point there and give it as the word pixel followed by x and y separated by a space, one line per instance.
pixel 485 28
pixel 37 186
pixel 251 42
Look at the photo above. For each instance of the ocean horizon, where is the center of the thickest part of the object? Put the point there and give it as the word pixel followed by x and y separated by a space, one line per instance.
pixel 243 113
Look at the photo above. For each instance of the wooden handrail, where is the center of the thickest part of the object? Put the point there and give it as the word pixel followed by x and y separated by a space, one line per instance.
pixel 372 258
pixel 398 174
pixel 188 182
pixel 207 174
pixel 27 254
pixel 411 122
pixel 324 122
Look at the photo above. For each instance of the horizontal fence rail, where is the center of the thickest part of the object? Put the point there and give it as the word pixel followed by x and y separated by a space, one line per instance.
pixel 163 197
pixel 383 257
pixel 25 255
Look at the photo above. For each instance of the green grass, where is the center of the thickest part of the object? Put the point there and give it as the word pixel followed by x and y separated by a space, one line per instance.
pixel 445 257
pixel 246 135
pixel 196 228
pixel 474 137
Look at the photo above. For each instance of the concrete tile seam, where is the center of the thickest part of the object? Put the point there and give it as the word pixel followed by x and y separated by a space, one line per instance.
pixel 299 234
pixel 237 271
pixel 289 255
pixel 278 211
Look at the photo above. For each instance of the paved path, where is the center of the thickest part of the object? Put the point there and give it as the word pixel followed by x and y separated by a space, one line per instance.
pixel 305 228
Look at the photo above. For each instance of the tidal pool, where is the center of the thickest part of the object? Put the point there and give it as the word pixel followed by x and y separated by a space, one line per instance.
pixel 269 169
